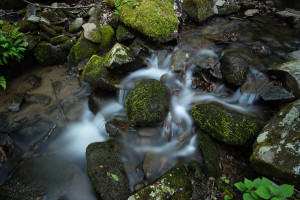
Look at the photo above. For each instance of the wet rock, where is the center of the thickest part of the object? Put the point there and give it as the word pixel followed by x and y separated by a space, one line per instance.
pixel 44 21
pixel 147 104
pixel 178 60
pixel 235 66
pixel 34 19
pixel 229 9
pixel 46 54
pixel 210 155
pixel 198 11
pixel 101 160
pixel 289 73
pixel 76 25
pixel 220 3
pixel 225 125
pixel 120 58
pixel 37 99
pixel 85 48
pixel 251 12
pixel 3 122
pixel 91 32
pixel 16 102
pixel 275 93
pixel 123 34
pixel 153 18
pixel 172 185
pixel 58 39
pixel 96 73
pixel 95 16
pixel 58 29
pixel 276 150
pixel 291 16
pixel 247 5
pixel 46 177
pixel 119 127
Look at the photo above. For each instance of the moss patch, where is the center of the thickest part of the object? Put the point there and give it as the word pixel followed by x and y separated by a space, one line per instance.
pixel 147 104
pixel 226 125
pixel 58 39
pixel 154 18
pixel 94 69
pixel 198 10
pixel 46 54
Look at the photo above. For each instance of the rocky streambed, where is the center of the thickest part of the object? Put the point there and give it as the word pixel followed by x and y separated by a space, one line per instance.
pixel 112 111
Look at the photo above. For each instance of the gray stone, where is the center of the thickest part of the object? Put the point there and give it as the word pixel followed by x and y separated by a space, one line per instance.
pixel 91 32
pixel 275 93
pixel 16 102
pixel 228 9
pixel 276 152
pixel 119 127
pixel 33 19
pixel 293 55
pixel 289 73
pixel 220 3
pixel 45 21
pixel 251 12
pixel 290 16
pixel 76 25
pixel 247 5
pixel 198 11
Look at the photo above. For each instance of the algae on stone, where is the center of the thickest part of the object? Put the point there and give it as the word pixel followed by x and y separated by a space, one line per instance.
pixel 153 18
pixel 147 104
pixel 228 126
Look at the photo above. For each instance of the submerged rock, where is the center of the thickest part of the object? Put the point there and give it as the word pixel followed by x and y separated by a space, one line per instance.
pixel 198 10
pixel 289 73
pixel 103 162
pixel 225 125
pixel 120 58
pixel 153 18
pixel 276 151
pixel 119 127
pixel 15 102
pixel 173 185
pixel 38 99
pixel 147 104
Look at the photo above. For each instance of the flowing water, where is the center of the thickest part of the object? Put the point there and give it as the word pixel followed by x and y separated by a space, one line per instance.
pixel 176 139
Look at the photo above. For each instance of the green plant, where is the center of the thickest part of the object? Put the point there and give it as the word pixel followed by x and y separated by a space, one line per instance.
pixel 11 47
pixel 113 176
pixel 120 3
pixel 228 192
pixel 264 189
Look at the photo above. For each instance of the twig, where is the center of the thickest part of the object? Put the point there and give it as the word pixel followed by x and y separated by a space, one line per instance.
pixel 76 7
pixel 57 102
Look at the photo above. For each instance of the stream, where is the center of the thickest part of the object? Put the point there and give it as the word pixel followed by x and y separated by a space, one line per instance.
pixel 59 162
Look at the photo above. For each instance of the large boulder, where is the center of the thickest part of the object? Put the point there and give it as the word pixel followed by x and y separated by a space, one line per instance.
pixel 289 73
pixel 85 48
pixel 96 73
pixel 147 104
pixel 153 18
pixel 235 66
pixel 225 125
pixel 173 185
pixel 120 58
pixel 276 150
pixel 106 171
pixel 198 10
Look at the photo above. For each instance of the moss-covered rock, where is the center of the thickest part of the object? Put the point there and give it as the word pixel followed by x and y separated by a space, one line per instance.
pixel 96 73
pixel 174 185
pixel 31 41
pixel 50 16
pixel 110 3
pixel 46 54
pixel 123 34
pixel 147 104
pixel 48 30
pixel 229 9
pixel 198 10
pixel 76 25
pixel 85 48
pixel 67 45
pixel 27 26
pixel 91 32
pixel 153 18
pixel 226 125
pixel 58 39
pixel 210 155
pixel 120 58
pixel 276 150
pixel 102 159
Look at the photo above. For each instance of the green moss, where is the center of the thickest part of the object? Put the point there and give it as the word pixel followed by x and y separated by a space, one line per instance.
pixel 229 9
pixel 224 125
pixel 48 30
pixel 154 18
pixel 47 54
pixel 110 3
pixel 67 45
pixel 198 10
pixel 107 36
pixel 94 70
pixel 123 34
pixel 147 104
pixel 27 26
pixel 58 39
